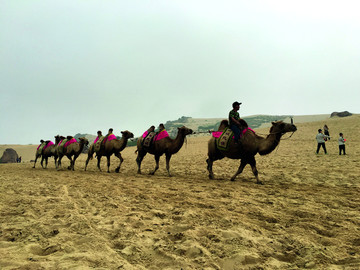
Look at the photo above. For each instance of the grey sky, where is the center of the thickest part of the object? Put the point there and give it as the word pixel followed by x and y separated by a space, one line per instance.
pixel 70 67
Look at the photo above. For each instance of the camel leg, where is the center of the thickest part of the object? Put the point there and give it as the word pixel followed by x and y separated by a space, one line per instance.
pixel 42 162
pixel 139 159
pixel 213 154
pixel 121 161
pixel 241 168
pixel 90 156
pixel 168 157
pixel 98 162
pixel 210 162
pixel 252 163
pixel 71 163
pixel 108 163
pixel 157 158
pixel 87 162
pixel 36 157
pixel 209 168
pixel 59 162
pixel 55 158
pixel 46 162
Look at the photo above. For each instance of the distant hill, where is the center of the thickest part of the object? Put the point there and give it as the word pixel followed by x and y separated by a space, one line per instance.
pixel 204 125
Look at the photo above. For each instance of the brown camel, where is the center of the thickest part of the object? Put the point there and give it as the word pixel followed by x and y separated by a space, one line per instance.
pixel 38 152
pixel 165 146
pixel 249 145
pixel 50 151
pixel 109 148
pixel 73 149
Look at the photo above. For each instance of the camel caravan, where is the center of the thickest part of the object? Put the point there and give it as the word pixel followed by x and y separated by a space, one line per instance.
pixel 222 143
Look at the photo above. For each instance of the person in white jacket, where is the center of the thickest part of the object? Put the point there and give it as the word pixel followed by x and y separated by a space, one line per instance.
pixel 341 144
pixel 320 138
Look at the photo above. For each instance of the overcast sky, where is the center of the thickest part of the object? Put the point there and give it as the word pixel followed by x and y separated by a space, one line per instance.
pixel 73 66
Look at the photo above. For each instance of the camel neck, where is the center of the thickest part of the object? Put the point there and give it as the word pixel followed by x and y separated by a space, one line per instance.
pixel 269 144
pixel 178 142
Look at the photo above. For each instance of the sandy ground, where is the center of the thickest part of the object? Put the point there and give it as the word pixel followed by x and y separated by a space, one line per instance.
pixel 307 215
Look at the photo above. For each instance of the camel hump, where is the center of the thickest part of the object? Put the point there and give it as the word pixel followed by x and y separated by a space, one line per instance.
pixel 69 137
pixel 151 129
pixel 243 123
pixel 224 124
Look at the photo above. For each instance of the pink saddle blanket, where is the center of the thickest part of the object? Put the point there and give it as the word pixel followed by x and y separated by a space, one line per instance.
pixel 217 134
pixel 73 140
pixel 48 144
pixel 163 134
pixel 111 137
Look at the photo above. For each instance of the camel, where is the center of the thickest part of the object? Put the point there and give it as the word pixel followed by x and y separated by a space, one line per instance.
pixel 73 149
pixel 249 145
pixel 50 151
pixel 110 147
pixel 165 146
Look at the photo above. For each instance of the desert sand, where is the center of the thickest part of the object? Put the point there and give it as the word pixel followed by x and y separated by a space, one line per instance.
pixel 305 216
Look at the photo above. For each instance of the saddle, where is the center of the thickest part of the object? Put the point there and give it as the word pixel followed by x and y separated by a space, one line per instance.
pixel 48 143
pixel 98 144
pixel 149 136
pixel 65 143
pixel 223 141
pixel 40 148
pixel 61 146
pixel 148 139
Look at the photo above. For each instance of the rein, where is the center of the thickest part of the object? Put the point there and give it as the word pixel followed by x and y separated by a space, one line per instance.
pixel 288 137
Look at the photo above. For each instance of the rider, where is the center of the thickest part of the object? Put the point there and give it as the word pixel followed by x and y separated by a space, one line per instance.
pixel 99 135
pixel 234 120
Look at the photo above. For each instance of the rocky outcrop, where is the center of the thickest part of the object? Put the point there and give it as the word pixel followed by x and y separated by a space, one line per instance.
pixel 9 156
pixel 340 114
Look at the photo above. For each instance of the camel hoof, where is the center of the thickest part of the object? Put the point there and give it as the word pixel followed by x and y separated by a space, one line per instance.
pixel 232 179
pixel 151 173
pixel 117 170
pixel 259 183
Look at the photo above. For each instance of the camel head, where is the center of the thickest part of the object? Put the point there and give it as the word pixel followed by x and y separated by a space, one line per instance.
pixel 281 127
pixel 57 139
pixel 127 134
pixel 84 141
pixel 185 131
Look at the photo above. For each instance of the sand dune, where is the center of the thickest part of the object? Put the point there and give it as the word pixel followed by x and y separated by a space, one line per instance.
pixel 306 216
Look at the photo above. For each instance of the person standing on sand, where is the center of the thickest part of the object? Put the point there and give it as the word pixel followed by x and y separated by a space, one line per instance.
pixel 320 138
pixel 341 144
pixel 326 131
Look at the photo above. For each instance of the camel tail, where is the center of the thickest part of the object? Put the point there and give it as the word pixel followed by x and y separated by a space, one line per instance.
pixel 136 151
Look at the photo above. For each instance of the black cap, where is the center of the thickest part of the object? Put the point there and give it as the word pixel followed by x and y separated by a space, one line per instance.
pixel 236 103
pixel 319 130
